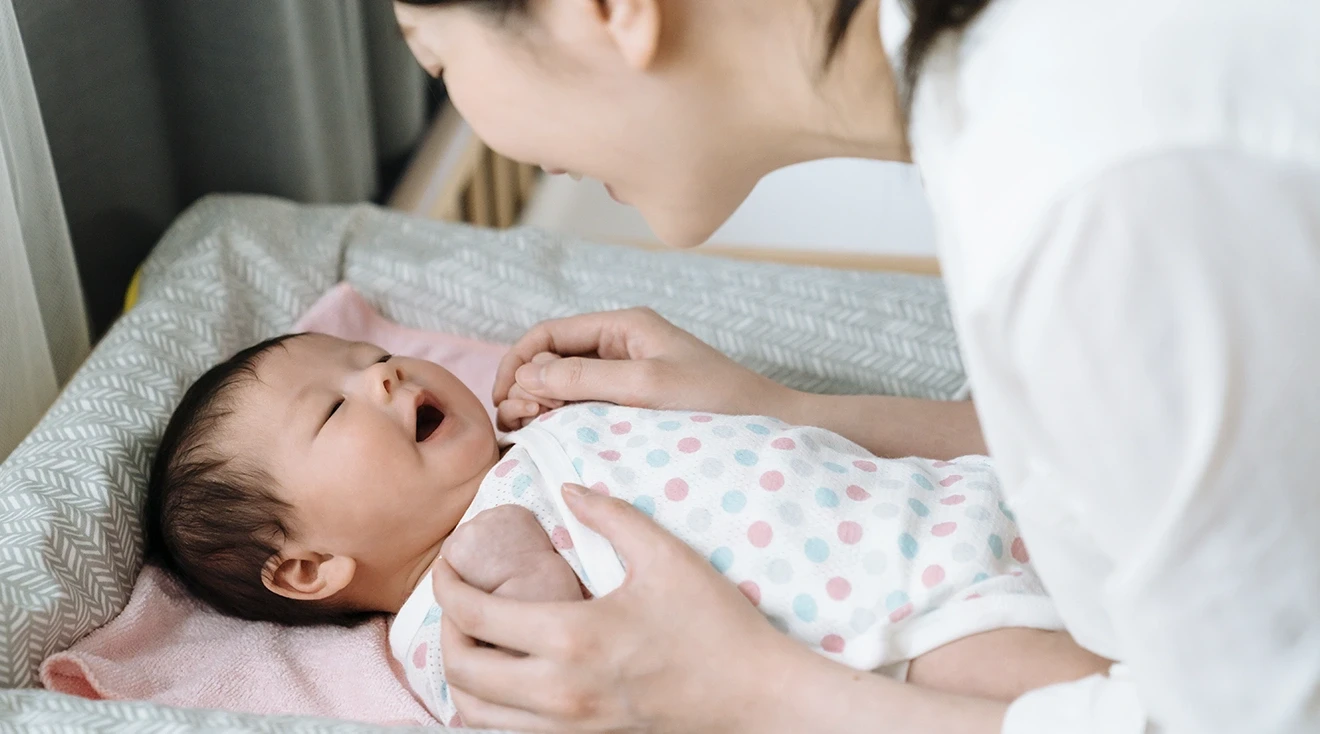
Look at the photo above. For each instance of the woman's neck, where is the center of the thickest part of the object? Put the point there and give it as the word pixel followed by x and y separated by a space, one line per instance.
pixel 849 108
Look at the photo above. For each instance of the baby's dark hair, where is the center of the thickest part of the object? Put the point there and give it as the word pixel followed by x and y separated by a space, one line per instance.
pixel 212 520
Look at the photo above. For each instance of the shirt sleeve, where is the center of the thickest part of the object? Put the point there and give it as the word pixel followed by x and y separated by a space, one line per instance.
pixel 1164 334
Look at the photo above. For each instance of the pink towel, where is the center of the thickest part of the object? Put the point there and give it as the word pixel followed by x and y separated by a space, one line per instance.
pixel 167 648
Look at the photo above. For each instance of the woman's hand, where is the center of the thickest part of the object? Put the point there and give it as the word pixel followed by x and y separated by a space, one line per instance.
pixel 632 357
pixel 675 648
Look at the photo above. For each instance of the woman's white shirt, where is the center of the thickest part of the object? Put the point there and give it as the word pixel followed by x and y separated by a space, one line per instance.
pixel 1127 196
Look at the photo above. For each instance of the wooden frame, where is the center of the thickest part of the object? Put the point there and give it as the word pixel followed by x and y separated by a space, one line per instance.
pixel 454 177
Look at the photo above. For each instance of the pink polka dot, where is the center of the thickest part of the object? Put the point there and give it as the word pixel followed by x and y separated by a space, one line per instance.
pixel 857 494
pixel 901 613
pixel 838 588
pixel 832 643
pixel 972 596
pixel 1019 551
pixel 933 576
pixel 772 480
pixel 600 488
pixel 750 590
pixel 610 455
pixel 950 480
pixel 783 444
pixel 953 499
pixel 456 722
pixel 562 540
pixel 701 419
pixel 849 532
pixel 419 656
pixel 1015 572
pixel 944 529
pixel 620 428
pixel 941 464
pixel 760 534
pixel 866 466
pixel 689 445
pixel 503 469
pixel 676 489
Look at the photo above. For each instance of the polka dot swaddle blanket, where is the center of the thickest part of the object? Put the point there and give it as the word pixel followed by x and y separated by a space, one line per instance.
pixel 869 561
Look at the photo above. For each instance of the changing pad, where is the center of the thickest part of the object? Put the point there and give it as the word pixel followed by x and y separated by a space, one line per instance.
pixel 235 270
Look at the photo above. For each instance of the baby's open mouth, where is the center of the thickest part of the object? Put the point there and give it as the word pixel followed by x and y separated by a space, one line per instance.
pixel 429 419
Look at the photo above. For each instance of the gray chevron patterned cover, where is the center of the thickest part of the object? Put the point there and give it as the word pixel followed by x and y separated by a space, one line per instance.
pixel 234 270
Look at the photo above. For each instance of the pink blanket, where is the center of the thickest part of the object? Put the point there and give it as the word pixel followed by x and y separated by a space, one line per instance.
pixel 167 648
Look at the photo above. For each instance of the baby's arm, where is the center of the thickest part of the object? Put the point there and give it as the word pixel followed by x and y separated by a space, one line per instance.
pixel 504 551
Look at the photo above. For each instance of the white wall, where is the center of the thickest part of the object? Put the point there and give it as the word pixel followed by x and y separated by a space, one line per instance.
pixel 844 205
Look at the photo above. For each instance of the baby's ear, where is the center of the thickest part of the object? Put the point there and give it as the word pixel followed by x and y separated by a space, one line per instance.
pixel 308 576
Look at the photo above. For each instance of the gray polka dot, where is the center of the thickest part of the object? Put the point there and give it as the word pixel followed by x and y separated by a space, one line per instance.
pixel 712 468
pixel 779 571
pixel 963 552
pixel 981 486
pixel 699 520
pixel 889 484
pixel 791 513
pixel 886 510
pixel 802 468
pixel 807 442
pixel 862 619
pixel 875 563
pixel 636 441
pixel 723 431
pixel 566 417
pixel 978 513
pixel 624 475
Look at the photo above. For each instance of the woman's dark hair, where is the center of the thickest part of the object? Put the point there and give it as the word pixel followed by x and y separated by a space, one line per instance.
pixel 213 521
pixel 930 20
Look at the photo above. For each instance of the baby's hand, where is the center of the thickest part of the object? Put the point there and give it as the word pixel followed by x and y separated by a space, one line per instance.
pixel 521 407
pixel 504 551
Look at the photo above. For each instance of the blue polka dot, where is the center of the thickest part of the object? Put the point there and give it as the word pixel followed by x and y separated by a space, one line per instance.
pixel 826 497
pixel 834 467
pixel 578 464
pixel 521 483
pixel 721 559
pixel 745 457
pixel 895 600
pixel 907 545
pixel 444 691
pixel 758 429
pixel 817 550
pixel 923 482
pixel 978 578
pixel 657 458
pixel 670 426
pixel 586 435
pixel 645 504
pixel 805 607
pixel 433 615
pixel 997 546
pixel 734 501
pixel 918 508
pixel 600 410
pixel 1007 512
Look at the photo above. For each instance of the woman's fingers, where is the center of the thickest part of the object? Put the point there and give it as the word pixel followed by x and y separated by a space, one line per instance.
pixel 497 683
pixel 635 537
pixel 608 334
pixel 501 621
pixel 636 382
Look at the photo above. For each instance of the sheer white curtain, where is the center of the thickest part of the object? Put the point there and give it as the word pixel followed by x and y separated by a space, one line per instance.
pixel 43 326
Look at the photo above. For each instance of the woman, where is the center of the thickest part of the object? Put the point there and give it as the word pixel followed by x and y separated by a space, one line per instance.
pixel 1127 197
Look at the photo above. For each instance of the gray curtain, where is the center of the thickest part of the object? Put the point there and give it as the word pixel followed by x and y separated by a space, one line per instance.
pixel 150 104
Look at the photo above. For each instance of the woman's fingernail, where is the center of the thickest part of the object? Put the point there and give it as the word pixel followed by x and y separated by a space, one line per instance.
pixel 577 490
pixel 530 376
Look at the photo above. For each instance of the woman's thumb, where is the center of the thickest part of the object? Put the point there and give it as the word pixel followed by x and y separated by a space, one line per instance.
pixel 634 535
pixel 576 379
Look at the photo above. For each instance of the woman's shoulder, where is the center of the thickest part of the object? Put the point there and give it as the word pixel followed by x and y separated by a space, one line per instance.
pixel 1042 97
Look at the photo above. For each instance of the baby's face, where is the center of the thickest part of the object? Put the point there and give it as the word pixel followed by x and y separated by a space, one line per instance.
pixel 379 456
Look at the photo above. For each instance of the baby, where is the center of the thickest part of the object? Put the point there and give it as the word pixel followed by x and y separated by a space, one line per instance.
pixel 311 480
